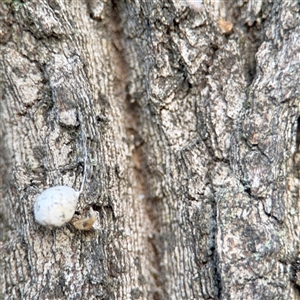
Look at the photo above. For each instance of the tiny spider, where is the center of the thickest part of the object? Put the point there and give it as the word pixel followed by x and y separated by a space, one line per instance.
pixel 225 26
pixel 84 222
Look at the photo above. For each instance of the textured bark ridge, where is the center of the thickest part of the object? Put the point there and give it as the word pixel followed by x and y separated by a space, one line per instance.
pixel 192 149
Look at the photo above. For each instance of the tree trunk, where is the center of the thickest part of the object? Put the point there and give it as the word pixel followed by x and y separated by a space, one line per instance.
pixel 186 117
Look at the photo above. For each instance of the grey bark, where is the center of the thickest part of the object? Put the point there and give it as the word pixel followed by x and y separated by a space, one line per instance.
pixel 192 148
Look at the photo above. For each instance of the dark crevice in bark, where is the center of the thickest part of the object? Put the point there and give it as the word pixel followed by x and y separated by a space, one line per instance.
pixel 295 272
pixel 250 29
pixel 198 234
pixel 216 262
pixel 149 205
pixel 298 134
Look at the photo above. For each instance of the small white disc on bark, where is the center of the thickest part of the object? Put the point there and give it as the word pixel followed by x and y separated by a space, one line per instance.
pixel 196 5
pixel 56 206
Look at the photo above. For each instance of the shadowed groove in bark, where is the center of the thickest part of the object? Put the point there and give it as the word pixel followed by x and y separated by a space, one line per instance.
pixel 298 134
pixel 141 185
pixel 249 22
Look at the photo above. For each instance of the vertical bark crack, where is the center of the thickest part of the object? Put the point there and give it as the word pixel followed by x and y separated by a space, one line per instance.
pixel 148 263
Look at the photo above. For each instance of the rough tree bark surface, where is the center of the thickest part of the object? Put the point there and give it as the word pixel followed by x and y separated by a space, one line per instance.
pixel 191 134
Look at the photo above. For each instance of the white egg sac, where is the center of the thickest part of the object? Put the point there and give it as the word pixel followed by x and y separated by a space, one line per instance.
pixel 196 5
pixel 55 206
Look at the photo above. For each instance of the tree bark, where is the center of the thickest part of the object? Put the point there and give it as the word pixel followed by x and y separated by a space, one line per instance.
pixel 190 133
